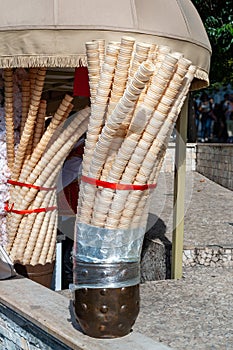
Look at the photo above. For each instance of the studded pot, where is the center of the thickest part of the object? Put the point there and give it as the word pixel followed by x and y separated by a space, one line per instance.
pixel 107 312
pixel 106 270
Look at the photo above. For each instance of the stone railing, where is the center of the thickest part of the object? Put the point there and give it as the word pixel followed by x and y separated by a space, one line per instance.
pixel 215 161
pixel 213 256
pixel 169 160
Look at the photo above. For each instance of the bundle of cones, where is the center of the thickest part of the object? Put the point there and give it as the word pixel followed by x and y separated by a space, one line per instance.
pixel 137 91
pixel 32 214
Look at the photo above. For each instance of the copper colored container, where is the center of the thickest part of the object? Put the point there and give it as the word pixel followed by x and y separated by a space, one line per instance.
pixel 107 312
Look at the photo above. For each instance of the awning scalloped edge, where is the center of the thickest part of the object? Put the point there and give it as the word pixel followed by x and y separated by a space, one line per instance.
pixel 41 61
pixel 200 81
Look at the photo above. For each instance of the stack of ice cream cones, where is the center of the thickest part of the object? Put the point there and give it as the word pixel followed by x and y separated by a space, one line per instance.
pixel 129 130
pixel 32 208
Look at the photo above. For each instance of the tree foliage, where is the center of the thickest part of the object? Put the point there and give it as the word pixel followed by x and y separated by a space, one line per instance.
pixel 217 17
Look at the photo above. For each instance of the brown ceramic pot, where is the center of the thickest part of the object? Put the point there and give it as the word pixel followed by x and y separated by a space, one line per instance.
pixel 39 273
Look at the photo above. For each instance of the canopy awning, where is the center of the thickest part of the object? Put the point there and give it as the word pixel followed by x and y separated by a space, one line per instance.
pixel 53 33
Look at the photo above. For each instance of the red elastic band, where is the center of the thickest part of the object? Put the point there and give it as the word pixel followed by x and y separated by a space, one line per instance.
pixel 22 184
pixel 116 186
pixel 27 211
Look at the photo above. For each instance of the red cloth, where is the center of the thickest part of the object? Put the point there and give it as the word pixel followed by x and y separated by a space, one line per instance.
pixel 81 82
pixel 67 199
pixel 77 151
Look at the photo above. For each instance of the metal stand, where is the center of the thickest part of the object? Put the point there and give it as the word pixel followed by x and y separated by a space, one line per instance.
pixel 179 193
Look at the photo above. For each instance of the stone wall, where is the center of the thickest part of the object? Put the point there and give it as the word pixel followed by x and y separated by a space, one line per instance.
pixel 215 161
pixel 19 333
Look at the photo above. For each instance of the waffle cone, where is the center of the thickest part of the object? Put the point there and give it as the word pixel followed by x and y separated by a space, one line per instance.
pixel 52 246
pixel 94 47
pixel 39 230
pixel 25 103
pixel 48 248
pixel 39 127
pixel 9 116
pixel 14 252
pixel 32 77
pixel 124 67
pixel 28 129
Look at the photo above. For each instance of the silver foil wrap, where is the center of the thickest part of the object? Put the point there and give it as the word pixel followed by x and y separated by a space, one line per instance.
pixel 106 258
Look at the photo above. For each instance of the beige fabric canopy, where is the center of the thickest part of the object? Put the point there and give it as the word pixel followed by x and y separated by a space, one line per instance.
pixel 53 33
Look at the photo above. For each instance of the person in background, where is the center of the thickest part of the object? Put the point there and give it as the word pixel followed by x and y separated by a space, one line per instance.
pixel 197 117
pixel 206 110
pixel 228 112
pixel 224 108
pixel 225 105
pixel 67 201
pixel 220 127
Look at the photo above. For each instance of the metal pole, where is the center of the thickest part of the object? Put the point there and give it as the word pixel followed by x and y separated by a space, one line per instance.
pixel 179 193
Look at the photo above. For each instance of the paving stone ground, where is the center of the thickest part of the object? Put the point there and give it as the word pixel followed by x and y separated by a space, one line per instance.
pixel 195 312
pixel 208 210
